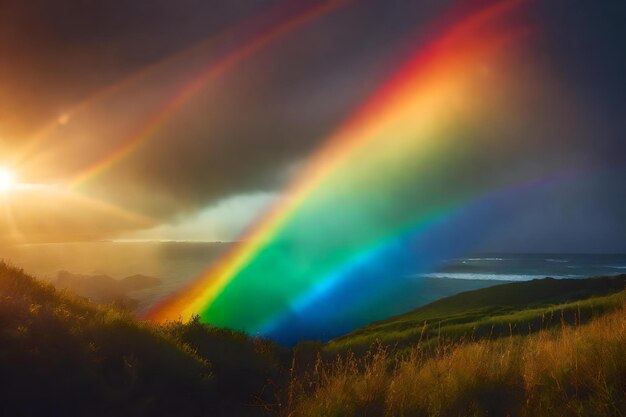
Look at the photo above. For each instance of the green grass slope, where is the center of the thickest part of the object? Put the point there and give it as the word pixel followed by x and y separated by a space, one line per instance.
pixel 515 308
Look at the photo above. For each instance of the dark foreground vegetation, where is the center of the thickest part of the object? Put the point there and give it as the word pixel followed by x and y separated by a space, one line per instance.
pixel 64 356
pixel 541 348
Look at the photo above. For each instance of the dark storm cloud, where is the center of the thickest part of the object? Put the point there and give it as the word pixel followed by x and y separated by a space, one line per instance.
pixel 584 42
pixel 246 130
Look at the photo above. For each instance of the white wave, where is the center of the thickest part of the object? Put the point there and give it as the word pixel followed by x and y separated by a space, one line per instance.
pixel 616 266
pixel 484 259
pixel 487 277
pixel 557 260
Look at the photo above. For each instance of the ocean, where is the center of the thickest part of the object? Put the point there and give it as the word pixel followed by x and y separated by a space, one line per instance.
pixel 523 267
pixel 178 263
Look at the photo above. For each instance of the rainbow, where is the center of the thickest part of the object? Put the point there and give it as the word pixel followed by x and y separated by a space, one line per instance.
pixel 159 117
pixel 396 168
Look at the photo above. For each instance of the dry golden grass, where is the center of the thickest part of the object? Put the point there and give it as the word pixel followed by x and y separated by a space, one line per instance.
pixel 571 371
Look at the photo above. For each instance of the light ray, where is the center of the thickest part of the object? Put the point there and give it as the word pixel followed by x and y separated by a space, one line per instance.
pixel 156 120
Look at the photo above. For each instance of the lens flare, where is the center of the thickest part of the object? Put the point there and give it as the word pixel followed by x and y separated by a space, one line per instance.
pixel 8 180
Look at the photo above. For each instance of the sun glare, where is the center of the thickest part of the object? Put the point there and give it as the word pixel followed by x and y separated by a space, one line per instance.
pixel 7 180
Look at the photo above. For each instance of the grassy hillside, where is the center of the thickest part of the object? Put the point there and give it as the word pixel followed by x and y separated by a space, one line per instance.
pixel 516 308
pixel 60 355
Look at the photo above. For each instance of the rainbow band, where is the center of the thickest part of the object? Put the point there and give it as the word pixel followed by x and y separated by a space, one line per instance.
pixel 347 199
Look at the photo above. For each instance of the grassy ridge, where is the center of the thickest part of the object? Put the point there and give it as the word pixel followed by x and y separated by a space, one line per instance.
pixel 516 308
pixel 572 371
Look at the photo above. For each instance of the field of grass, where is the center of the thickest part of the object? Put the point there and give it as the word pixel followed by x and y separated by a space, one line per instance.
pixel 543 348
pixel 577 370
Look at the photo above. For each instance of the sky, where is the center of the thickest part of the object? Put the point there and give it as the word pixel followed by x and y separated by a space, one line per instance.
pixel 188 120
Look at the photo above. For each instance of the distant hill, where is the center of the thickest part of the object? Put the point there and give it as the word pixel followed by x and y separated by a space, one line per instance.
pixel 104 289
pixel 520 307
pixel 139 282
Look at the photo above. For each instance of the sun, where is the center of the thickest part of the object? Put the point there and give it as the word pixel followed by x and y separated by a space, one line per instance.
pixel 8 180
